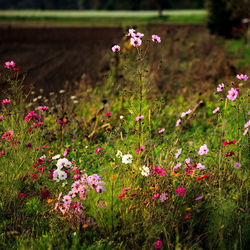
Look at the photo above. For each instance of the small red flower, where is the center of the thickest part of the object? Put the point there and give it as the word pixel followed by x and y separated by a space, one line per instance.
pixel 229 154
pixel 22 196
pixel 187 216
pixel 108 114
pixel 228 142
pixel 45 194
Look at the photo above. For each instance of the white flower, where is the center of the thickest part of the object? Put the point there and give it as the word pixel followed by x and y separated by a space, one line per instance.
pixel 73 97
pixel 75 101
pixel 119 153
pixel 127 159
pixel 121 117
pixel 63 163
pixel 61 91
pixel 62 175
pixel 145 171
pixel 55 157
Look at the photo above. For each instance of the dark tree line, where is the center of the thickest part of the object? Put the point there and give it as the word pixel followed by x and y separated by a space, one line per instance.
pixel 102 4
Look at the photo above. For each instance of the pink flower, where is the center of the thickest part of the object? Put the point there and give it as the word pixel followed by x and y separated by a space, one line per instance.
pixel 138 35
pixel 198 198
pixel 158 244
pixel 22 196
pixel 5 101
pixel 65 152
pixel 228 142
pixel 156 39
pixel 178 123
pixel 8 135
pixel 131 32
pixel 180 191
pixel 220 87
pixel 138 118
pixel 11 65
pixel 121 195
pixel 161 131
pixel 32 116
pixel 177 166
pixel 116 48
pixel 97 150
pixel 62 122
pixel 237 165
pixel 1 117
pixel 232 94
pixel 67 199
pixel 163 197
pixel 43 109
pixel 245 132
pixel 216 110
pixel 203 150
pixel 140 149
pixel 76 176
pixel 155 196
pixel 178 153
pixel 108 114
pixel 200 166
pixel 187 216
pixel 242 77
pixel 247 124
pixel 136 42
pixel 187 161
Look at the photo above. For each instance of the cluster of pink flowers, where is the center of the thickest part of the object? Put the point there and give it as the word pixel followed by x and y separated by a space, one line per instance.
pixel 32 116
pixel 35 126
pixel 8 135
pixel 136 39
pixel 157 170
pixel 242 77
pixel 11 65
pixel 125 193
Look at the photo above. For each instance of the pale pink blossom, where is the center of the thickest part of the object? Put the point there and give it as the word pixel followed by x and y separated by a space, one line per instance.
pixel 245 132
pixel 156 39
pixel 200 166
pixel 116 48
pixel 178 153
pixel 178 122
pixel 220 87
pixel 136 42
pixel 187 161
pixel 1 117
pixel 203 150
pixel 237 165
pixel 247 124
pixel 177 166
pixel 232 94
pixel 216 110
pixel 161 131
pixel 138 118
pixel 242 77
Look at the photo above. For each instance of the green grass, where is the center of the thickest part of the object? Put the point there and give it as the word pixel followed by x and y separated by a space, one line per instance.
pixel 113 18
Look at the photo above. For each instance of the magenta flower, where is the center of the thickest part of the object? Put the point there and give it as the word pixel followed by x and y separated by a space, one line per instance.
pixel 11 65
pixel 5 101
pixel 136 42
pixel 180 191
pixel 203 150
pixel 97 150
pixel 161 131
pixel 237 165
pixel 108 114
pixel 139 35
pixel 158 244
pixel 8 135
pixel 43 109
pixel 1 117
pixel 45 194
pixel 216 110
pixel 66 151
pixel 232 94
pixel 140 149
pixel 220 87
pixel 116 48
pixel 155 196
pixel 138 118
pixel 156 39
pixel 242 77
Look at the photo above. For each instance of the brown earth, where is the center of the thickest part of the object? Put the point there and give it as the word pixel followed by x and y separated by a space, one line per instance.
pixel 53 56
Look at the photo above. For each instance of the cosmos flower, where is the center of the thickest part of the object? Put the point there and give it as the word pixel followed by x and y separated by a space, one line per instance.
pixel 220 87
pixel 108 114
pixel 127 159
pixel 180 190
pixel 237 165
pixel 145 171
pixel 138 118
pixel 178 122
pixel 156 39
pixel 178 153
pixel 5 101
pixel 216 110
pixel 136 42
pixel 161 131
pixel 43 108
pixel 116 48
pixel 200 166
pixel 97 150
pixel 232 94
pixel 203 150
pixel 242 77
pixel 177 166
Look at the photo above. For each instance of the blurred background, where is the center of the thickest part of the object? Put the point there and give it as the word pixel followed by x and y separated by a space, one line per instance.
pixel 67 43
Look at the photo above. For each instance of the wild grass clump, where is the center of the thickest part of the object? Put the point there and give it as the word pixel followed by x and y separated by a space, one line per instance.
pixel 119 169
